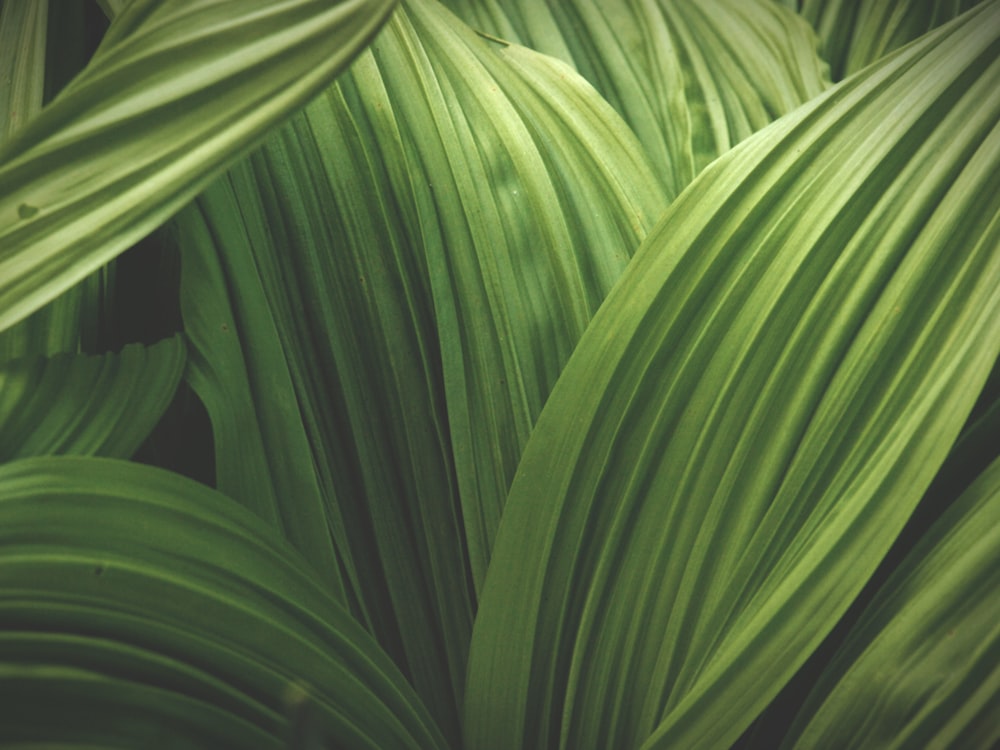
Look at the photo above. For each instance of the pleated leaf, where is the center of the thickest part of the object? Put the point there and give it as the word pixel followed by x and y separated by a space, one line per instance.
pixel 920 669
pixel 409 264
pixel 87 404
pixel 691 79
pixel 22 60
pixel 856 33
pixel 60 325
pixel 177 90
pixel 141 609
pixel 752 415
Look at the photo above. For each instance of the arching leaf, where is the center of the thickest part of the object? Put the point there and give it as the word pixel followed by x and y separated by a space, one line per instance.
pixel 752 415
pixel 177 90
pixel 691 79
pixel 141 609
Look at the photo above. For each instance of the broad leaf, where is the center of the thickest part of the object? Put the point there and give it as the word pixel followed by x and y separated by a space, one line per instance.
pixel 141 609
pixel 856 33
pixel 692 79
pixel 88 405
pixel 68 321
pixel 920 668
pixel 388 291
pixel 177 90
pixel 752 415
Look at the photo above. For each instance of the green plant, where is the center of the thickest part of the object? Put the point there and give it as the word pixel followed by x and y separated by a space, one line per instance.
pixel 603 377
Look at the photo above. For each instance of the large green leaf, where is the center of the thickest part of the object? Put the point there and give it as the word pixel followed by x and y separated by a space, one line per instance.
pixel 89 405
pixel 920 668
pixel 388 291
pixel 380 300
pixel 177 90
pixel 140 609
pixel 856 33
pixel 692 79
pixel 752 415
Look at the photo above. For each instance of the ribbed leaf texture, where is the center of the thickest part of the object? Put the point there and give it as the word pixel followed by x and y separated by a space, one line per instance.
pixel 691 78
pixel 81 404
pixel 177 91
pixel 141 609
pixel 388 291
pixel 920 669
pixel 752 415
pixel 856 33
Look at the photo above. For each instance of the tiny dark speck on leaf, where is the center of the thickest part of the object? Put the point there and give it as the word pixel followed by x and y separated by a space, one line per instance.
pixel 25 211
pixel 224 328
pixel 99 570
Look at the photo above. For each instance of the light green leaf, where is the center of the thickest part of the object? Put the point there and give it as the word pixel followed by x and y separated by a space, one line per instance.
pixel 142 609
pixel 856 33
pixel 86 404
pixel 388 290
pixel 920 667
pixel 751 416
pixel 691 79
pixel 59 326
pixel 177 90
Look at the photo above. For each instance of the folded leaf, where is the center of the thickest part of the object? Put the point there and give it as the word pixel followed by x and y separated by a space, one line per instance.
pixel 856 33
pixel 920 668
pixel 88 405
pixel 691 79
pixel 752 415
pixel 142 609
pixel 380 301
pixel 60 325
pixel 177 90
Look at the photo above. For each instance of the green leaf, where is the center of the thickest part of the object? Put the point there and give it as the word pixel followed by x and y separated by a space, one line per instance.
pixel 751 416
pixel 59 326
pixel 87 405
pixel 920 667
pixel 177 90
pixel 388 291
pixel 856 33
pixel 22 62
pixel 142 609
pixel 691 79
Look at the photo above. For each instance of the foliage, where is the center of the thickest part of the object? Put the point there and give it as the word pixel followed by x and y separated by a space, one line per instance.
pixel 499 374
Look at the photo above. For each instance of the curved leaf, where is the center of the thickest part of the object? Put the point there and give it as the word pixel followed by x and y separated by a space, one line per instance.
pixel 856 33
pixel 691 79
pixel 22 58
pixel 920 668
pixel 751 416
pixel 139 606
pixel 88 405
pixel 388 291
pixel 177 90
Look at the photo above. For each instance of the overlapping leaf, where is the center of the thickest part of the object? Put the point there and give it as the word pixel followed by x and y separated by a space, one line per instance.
pixel 22 60
pixel 691 79
pixel 88 405
pixel 178 89
pixel 752 415
pixel 388 290
pixel 856 33
pixel 140 609
pixel 920 668
pixel 61 325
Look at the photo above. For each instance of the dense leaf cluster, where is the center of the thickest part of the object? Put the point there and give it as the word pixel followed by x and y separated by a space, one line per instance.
pixel 499 374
